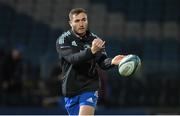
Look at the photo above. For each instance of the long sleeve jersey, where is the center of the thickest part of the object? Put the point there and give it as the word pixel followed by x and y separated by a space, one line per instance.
pixel 78 64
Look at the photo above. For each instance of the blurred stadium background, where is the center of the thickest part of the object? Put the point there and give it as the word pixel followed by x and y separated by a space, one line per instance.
pixel 148 28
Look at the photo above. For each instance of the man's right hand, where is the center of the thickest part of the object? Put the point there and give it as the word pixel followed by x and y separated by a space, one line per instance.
pixel 97 45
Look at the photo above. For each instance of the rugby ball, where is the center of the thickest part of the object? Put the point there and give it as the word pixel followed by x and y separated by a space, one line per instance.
pixel 129 65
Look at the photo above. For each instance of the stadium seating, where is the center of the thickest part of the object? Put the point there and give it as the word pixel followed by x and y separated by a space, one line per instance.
pixel 147 28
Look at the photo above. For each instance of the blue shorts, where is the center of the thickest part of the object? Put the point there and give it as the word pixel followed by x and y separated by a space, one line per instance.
pixel 73 104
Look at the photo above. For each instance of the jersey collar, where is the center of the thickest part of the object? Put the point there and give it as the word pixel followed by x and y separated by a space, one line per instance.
pixel 83 38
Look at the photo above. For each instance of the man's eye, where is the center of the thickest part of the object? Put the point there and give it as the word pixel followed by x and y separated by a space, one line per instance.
pixel 76 21
pixel 83 19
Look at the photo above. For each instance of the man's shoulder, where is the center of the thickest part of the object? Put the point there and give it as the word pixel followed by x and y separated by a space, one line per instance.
pixel 92 34
pixel 65 34
pixel 63 38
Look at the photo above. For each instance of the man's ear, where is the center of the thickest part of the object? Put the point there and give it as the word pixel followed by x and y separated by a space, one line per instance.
pixel 70 23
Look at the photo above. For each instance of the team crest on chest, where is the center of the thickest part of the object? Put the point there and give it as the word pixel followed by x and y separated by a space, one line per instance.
pixel 73 43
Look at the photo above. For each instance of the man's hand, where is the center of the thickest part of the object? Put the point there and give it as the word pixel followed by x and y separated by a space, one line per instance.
pixel 116 60
pixel 97 45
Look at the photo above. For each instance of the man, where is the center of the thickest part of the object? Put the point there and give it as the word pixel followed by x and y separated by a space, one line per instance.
pixel 81 52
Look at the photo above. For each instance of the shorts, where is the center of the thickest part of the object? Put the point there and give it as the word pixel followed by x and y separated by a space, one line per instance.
pixel 72 104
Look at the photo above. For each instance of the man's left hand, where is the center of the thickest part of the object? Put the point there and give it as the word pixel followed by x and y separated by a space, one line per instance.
pixel 116 60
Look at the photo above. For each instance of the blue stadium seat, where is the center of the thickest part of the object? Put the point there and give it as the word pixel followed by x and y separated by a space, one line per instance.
pixel 135 10
pixel 169 59
pixel 154 10
pixel 151 56
pixel 117 5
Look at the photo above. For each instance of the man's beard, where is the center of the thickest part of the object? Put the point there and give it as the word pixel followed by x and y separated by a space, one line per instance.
pixel 79 34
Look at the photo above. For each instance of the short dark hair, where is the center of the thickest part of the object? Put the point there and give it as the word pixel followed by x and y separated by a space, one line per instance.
pixel 76 11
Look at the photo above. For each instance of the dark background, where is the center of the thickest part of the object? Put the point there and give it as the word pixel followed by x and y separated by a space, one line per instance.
pixel 147 28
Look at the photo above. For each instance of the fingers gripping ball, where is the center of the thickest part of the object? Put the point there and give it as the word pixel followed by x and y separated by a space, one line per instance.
pixel 129 65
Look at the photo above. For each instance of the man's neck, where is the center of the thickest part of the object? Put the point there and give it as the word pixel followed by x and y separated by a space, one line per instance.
pixel 78 35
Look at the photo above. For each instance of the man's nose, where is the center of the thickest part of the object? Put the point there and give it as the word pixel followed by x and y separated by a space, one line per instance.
pixel 81 23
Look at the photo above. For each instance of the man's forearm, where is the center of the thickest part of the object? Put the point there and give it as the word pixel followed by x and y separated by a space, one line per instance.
pixel 78 57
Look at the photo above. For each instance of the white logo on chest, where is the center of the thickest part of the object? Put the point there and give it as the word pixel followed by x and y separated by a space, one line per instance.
pixel 73 43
